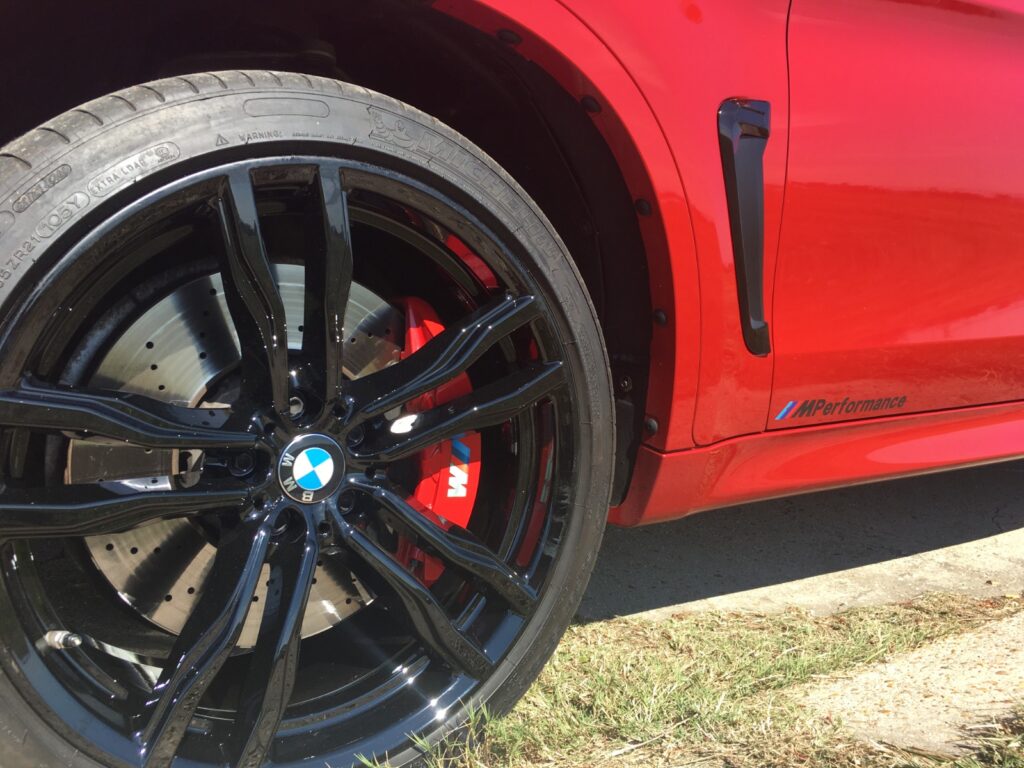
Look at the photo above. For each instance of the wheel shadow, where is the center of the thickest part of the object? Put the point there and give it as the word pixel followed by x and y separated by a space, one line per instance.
pixel 727 551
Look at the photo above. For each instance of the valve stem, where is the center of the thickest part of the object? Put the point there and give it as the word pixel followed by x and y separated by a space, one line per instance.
pixel 62 640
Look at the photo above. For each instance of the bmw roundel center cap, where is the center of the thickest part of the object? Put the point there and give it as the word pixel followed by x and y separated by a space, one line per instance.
pixel 311 468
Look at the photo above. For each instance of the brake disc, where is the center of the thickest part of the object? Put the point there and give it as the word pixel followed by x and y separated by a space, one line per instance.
pixel 173 353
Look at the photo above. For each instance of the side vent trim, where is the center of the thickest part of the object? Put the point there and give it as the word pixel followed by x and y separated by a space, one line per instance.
pixel 743 129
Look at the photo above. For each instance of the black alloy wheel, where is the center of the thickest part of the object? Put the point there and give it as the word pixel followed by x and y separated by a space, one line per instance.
pixel 213 536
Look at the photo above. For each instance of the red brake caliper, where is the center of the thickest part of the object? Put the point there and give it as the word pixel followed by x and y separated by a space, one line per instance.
pixel 449 471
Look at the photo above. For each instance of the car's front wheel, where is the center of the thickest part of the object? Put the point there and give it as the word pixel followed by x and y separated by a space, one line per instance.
pixel 305 429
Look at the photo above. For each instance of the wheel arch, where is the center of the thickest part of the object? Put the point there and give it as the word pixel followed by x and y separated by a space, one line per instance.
pixel 590 151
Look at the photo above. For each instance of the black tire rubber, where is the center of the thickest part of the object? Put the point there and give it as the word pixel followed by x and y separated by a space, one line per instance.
pixel 55 176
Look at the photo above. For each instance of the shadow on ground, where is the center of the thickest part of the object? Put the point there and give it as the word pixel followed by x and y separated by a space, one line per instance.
pixel 955 531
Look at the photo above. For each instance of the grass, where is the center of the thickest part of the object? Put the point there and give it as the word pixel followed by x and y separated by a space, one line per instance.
pixel 709 689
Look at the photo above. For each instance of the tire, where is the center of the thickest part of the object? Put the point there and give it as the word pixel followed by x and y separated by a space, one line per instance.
pixel 75 193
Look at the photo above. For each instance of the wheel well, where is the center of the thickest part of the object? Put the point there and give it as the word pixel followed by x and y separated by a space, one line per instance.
pixel 474 82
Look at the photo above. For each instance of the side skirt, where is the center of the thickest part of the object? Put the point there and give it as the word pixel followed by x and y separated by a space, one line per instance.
pixel 667 486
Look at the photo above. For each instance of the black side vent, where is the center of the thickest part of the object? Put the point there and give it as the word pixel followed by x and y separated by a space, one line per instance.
pixel 743 128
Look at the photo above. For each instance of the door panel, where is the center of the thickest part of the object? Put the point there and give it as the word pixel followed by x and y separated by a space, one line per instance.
pixel 900 283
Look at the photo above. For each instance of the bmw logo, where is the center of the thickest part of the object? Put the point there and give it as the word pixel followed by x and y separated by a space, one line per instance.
pixel 311 468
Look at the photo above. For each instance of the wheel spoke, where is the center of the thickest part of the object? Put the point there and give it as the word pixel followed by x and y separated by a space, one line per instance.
pixel 88 510
pixel 271 678
pixel 429 620
pixel 253 298
pixel 207 639
pixel 485 407
pixel 133 418
pixel 442 358
pixel 328 279
pixel 456 545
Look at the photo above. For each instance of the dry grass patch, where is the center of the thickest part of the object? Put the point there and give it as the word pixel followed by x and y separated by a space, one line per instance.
pixel 706 689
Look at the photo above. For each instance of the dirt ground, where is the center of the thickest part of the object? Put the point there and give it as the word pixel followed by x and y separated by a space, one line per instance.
pixel 930 698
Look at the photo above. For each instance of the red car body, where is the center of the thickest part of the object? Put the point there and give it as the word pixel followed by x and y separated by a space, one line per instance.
pixel 893 210
pixel 776 243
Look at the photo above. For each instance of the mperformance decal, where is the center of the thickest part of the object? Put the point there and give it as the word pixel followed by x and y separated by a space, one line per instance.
pixel 805 409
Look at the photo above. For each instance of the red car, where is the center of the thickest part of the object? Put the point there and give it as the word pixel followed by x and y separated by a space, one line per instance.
pixel 331 333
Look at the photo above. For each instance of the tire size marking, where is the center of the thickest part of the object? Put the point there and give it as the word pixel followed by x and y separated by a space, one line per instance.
pixel 10 267
pixel 45 229
pixel 12 264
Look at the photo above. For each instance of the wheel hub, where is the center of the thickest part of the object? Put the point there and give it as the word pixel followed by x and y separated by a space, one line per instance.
pixel 156 357
pixel 310 468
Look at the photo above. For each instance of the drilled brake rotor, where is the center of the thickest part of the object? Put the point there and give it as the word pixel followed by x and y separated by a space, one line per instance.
pixel 174 352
